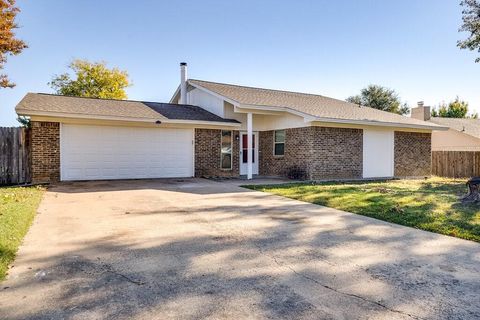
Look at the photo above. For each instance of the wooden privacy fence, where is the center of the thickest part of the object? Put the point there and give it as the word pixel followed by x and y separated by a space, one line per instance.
pixel 15 163
pixel 456 164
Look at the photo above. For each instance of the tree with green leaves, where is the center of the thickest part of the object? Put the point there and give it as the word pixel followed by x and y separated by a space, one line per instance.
pixel 471 25
pixel 9 45
pixel 92 80
pixel 454 109
pixel 381 98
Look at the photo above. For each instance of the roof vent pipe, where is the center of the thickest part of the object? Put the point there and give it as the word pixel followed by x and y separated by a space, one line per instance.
pixel 183 83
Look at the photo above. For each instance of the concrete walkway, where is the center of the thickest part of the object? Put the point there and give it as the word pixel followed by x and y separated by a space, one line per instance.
pixel 191 249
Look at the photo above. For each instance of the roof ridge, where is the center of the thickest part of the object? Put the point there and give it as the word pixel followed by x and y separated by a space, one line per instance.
pixel 269 89
pixel 452 118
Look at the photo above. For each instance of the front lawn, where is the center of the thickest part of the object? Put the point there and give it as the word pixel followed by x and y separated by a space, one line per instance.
pixel 430 204
pixel 17 209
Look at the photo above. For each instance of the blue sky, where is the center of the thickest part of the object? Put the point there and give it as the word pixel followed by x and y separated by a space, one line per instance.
pixel 333 48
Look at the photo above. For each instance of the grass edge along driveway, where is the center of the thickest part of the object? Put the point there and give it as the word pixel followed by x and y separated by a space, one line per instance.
pixel 18 206
pixel 428 204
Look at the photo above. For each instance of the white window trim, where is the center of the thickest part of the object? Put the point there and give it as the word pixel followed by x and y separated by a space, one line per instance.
pixel 231 150
pixel 275 143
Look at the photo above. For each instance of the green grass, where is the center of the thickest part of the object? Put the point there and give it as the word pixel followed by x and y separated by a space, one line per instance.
pixel 17 208
pixel 430 204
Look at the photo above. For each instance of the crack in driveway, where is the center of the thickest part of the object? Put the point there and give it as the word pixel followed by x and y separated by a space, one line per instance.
pixel 333 289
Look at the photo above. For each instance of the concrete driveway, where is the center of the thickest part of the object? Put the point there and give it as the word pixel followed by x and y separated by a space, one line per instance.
pixel 172 249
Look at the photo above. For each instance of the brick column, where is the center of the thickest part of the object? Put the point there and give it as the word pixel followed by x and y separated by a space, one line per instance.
pixel 45 142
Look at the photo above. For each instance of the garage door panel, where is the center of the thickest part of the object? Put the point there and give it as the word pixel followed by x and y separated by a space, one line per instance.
pixel 104 152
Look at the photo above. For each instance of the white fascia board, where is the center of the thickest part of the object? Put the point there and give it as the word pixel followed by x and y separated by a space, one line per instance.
pixel 307 117
pixel 23 112
pixel 116 118
pixel 175 94
pixel 218 123
pixel 237 109
pixel 381 124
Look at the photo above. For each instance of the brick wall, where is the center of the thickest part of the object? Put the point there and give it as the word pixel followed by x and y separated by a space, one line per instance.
pixel 298 145
pixel 207 154
pixel 322 152
pixel 45 142
pixel 412 154
pixel 337 153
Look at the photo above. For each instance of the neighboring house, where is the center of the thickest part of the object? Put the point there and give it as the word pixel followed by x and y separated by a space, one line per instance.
pixel 222 130
pixel 462 134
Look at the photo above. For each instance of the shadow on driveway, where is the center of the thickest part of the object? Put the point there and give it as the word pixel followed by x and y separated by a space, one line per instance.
pixel 200 249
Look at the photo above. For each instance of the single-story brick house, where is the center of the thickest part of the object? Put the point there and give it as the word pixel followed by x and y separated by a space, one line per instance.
pixel 217 129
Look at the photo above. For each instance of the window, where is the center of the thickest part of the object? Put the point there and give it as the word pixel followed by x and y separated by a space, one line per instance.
pixel 226 150
pixel 279 143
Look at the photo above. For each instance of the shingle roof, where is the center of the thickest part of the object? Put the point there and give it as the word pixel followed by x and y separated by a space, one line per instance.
pixel 185 112
pixel 311 104
pixel 48 103
pixel 467 126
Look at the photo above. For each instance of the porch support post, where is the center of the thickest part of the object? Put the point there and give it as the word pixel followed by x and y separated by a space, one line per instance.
pixel 250 146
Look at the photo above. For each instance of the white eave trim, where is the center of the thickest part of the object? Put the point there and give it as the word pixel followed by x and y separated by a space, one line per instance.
pixel 175 94
pixel 307 117
pixel 381 124
pixel 23 112
pixel 217 123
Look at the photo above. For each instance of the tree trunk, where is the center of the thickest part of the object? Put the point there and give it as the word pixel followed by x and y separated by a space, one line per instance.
pixel 473 194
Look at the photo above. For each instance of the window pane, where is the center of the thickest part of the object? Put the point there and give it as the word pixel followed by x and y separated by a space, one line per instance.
pixel 226 150
pixel 226 137
pixel 279 149
pixel 226 161
pixel 280 136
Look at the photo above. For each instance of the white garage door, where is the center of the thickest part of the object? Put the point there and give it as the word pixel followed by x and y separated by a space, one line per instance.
pixel 105 152
pixel 378 153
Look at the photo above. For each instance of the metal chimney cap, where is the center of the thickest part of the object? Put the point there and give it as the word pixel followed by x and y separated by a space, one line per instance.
pixel 420 103
pixel 183 63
